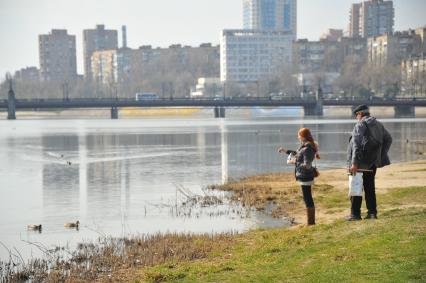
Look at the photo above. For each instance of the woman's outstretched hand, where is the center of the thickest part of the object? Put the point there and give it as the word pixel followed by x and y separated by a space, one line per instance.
pixel 282 149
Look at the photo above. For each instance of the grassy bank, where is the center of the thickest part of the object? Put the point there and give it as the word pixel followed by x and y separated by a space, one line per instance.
pixel 390 249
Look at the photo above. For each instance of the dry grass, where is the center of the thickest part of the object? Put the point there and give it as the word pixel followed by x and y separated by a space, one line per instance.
pixel 108 259
pixel 279 189
pixel 259 191
pixel 329 190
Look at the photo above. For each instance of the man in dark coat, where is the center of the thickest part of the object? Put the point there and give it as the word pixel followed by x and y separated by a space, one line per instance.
pixel 361 155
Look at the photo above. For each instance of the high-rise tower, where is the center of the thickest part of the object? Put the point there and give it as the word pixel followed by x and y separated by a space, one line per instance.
pixel 371 18
pixel 278 15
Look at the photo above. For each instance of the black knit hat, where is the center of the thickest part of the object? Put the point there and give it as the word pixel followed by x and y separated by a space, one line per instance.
pixel 364 108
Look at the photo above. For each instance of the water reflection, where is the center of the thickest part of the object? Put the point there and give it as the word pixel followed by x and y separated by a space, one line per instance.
pixel 60 179
pixel 224 152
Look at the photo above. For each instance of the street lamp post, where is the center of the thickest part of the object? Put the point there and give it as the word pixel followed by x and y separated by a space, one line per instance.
pixel 415 87
pixel 171 90
pixel 65 91
pixel 163 89
pixel 258 88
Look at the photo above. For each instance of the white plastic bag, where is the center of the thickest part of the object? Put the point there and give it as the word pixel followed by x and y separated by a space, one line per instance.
pixel 356 186
pixel 291 159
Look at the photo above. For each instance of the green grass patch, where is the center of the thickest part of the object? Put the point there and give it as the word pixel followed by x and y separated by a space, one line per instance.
pixel 400 196
pixel 390 249
pixel 332 200
pixel 337 200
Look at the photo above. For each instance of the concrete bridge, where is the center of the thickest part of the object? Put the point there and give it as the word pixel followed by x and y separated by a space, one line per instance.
pixel 312 106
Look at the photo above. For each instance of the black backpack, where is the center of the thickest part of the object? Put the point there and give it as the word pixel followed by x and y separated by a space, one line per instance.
pixel 369 147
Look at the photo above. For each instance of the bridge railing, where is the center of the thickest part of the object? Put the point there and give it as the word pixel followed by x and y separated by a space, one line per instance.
pixel 210 101
pixel 261 98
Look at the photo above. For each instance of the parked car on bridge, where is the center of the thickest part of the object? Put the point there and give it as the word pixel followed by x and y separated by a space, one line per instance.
pixel 377 98
pixel 221 97
pixel 146 96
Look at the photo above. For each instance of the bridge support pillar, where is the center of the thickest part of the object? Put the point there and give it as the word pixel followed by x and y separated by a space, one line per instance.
pixel 11 105
pixel 318 108
pixel 405 111
pixel 219 112
pixel 114 113
pixel 314 110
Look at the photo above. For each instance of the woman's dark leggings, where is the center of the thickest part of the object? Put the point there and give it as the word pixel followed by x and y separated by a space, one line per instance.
pixel 307 196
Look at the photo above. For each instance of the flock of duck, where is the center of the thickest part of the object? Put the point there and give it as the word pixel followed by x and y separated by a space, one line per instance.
pixel 38 227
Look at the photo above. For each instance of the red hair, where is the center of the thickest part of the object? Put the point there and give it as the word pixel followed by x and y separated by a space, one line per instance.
pixel 305 133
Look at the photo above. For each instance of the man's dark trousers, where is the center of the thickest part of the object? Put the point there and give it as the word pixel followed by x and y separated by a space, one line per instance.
pixel 370 190
pixel 370 195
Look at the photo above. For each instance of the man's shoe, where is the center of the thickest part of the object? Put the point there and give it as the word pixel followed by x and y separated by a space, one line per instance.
pixel 353 218
pixel 371 216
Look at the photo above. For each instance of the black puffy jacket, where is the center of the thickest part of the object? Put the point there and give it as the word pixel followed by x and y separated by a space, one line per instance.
pixel 305 155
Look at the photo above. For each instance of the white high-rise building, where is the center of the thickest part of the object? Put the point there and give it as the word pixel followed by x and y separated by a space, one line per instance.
pixel 252 55
pixel 278 15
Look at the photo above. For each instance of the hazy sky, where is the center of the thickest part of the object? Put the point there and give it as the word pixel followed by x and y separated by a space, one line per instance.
pixel 159 22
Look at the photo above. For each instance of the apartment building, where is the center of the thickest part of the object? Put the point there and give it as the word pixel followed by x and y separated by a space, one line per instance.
pixel 97 39
pixel 251 55
pixel 393 48
pixel 57 54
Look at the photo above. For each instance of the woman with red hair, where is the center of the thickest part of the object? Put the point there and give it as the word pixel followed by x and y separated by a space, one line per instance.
pixel 305 172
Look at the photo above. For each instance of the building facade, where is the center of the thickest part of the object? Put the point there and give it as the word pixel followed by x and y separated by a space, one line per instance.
pixel 280 15
pixel 317 56
pixel 109 67
pixel 97 40
pixel 354 23
pixel 413 71
pixel 252 55
pixel 28 74
pixel 57 53
pixel 202 61
pixel 354 47
pixel 104 67
pixel 371 18
pixel 422 33
pixel 157 70
pixel 393 48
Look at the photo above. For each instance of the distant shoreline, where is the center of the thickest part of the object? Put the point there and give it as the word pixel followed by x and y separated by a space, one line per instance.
pixel 129 113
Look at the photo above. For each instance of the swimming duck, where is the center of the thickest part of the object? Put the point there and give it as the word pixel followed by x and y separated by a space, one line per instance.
pixel 33 227
pixel 72 225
